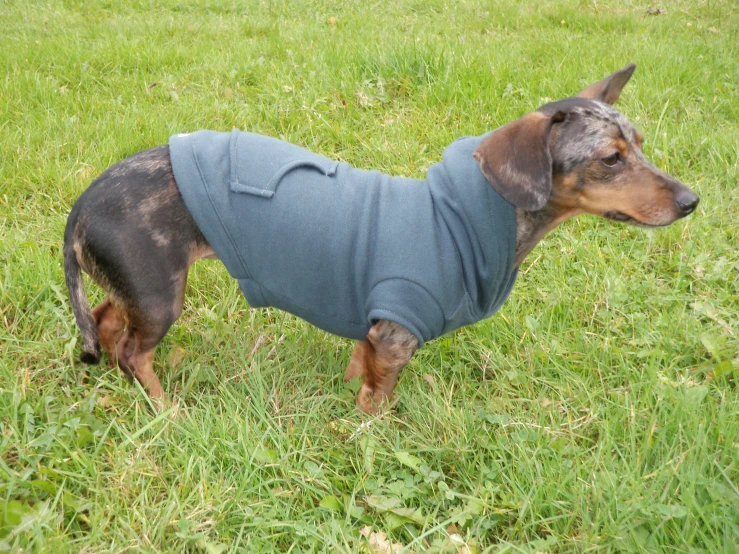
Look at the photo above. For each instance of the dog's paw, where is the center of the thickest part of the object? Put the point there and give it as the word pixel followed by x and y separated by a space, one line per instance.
pixel 372 402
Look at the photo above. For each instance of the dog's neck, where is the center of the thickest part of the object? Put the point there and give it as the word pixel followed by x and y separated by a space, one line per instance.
pixel 532 226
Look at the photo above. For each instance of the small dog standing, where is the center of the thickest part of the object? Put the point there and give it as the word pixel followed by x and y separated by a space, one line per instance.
pixel 388 261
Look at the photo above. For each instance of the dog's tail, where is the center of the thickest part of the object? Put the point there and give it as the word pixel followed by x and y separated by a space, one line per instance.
pixel 78 298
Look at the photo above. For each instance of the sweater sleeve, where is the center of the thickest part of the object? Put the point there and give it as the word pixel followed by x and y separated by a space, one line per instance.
pixel 408 304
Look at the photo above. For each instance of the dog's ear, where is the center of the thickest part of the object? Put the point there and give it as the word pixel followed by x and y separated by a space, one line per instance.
pixel 515 159
pixel 609 89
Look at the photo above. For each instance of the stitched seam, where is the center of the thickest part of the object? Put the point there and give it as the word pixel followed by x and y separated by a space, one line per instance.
pixel 404 321
pixel 246 189
pixel 327 169
pixel 233 146
pixel 420 286
pixel 233 178
pixel 438 305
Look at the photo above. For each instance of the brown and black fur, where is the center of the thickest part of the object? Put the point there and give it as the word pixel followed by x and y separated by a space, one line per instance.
pixel 132 233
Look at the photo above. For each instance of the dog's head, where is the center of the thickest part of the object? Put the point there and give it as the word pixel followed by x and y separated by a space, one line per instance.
pixel 581 155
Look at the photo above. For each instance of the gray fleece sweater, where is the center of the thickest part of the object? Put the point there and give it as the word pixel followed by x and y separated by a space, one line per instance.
pixel 342 247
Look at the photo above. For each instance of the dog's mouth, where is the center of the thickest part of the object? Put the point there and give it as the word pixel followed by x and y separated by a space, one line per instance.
pixel 623 218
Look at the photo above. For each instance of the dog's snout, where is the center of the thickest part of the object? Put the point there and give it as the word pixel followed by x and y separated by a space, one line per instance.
pixel 686 201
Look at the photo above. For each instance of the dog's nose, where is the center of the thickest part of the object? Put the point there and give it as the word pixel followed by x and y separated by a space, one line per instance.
pixel 687 201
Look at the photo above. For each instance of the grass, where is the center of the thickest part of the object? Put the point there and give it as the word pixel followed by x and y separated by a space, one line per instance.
pixel 597 412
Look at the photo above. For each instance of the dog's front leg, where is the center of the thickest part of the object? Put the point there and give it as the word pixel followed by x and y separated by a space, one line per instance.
pixel 378 360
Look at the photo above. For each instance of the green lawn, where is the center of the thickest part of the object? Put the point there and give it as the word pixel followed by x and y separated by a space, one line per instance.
pixel 598 411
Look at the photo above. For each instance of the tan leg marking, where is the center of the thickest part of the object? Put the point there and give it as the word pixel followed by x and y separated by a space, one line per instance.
pixel 357 362
pixel 110 327
pixel 135 355
pixel 379 359
pixel 143 369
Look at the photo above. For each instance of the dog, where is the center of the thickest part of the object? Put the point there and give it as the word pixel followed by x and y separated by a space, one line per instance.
pixel 390 262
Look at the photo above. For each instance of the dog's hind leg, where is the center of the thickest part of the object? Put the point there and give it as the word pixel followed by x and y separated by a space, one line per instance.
pixel 136 356
pixel 357 361
pixel 379 359
pixel 110 324
pixel 146 324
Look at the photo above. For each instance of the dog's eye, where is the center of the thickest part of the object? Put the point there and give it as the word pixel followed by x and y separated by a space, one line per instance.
pixel 612 160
